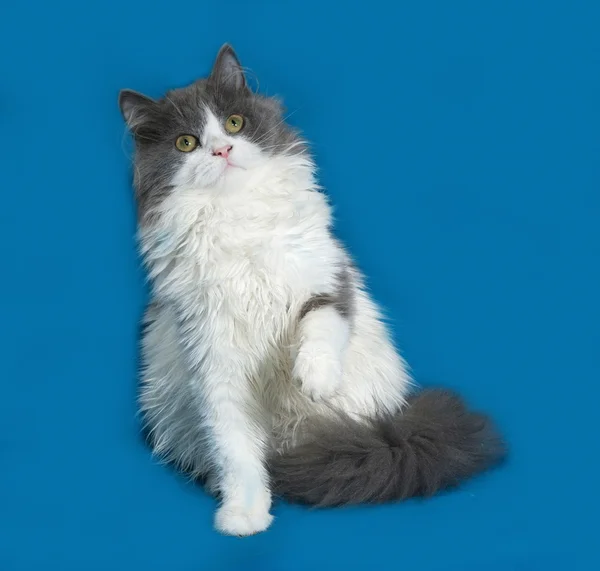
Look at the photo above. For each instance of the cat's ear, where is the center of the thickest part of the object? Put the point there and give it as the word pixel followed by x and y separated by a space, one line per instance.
pixel 227 70
pixel 135 108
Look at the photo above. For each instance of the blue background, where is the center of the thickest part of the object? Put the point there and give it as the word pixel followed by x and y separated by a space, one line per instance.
pixel 460 144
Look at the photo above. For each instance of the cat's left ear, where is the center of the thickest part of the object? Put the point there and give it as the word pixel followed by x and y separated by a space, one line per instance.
pixel 135 108
pixel 227 70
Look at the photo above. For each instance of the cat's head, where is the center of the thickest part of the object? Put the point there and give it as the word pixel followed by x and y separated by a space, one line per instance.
pixel 210 135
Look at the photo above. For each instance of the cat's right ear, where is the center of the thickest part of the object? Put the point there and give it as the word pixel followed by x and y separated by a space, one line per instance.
pixel 227 70
pixel 135 108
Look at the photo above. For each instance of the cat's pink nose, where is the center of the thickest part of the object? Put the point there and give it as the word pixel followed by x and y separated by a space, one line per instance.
pixel 222 151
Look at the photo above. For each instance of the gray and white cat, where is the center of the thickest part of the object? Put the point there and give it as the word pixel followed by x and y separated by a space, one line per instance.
pixel 267 368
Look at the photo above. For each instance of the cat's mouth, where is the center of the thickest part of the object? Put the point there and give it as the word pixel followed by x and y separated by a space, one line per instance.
pixel 231 165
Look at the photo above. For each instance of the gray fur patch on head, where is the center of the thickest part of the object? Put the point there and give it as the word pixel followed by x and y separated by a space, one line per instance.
pixel 156 124
pixel 342 299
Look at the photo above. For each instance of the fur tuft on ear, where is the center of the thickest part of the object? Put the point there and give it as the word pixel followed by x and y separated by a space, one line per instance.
pixel 135 107
pixel 227 70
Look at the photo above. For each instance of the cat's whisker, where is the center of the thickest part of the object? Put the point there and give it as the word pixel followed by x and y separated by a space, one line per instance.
pixel 176 107
pixel 285 118
pixel 246 71
pixel 249 72
pixel 132 161
pixel 139 136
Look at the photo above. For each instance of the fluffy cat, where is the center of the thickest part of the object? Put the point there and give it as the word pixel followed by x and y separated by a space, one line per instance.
pixel 267 368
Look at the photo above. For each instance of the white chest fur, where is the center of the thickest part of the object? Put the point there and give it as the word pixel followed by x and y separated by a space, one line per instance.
pixel 255 252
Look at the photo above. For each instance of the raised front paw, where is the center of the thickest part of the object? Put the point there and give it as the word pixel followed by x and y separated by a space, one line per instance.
pixel 237 520
pixel 318 371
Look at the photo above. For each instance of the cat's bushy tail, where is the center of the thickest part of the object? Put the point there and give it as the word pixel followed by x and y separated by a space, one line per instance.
pixel 434 443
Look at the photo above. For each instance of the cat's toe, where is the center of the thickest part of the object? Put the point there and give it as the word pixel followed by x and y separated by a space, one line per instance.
pixel 319 375
pixel 239 521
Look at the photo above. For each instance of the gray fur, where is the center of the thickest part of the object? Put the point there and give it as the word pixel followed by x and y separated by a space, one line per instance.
pixel 346 292
pixel 156 124
pixel 170 417
pixel 342 298
pixel 227 70
pixel 317 302
pixel 434 444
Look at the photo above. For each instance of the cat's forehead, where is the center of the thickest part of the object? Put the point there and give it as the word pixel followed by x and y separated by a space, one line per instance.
pixel 192 102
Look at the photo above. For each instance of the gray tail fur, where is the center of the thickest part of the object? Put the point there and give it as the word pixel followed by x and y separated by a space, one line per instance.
pixel 434 443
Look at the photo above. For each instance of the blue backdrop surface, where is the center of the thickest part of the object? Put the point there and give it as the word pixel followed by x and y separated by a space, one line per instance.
pixel 460 143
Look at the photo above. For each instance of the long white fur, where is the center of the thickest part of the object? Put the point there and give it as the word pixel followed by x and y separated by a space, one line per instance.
pixel 229 375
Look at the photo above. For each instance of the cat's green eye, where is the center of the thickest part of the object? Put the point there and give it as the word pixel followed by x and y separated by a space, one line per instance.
pixel 234 124
pixel 186 143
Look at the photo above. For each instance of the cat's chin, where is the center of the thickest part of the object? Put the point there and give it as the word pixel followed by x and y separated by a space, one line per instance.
pixel 232 175
pixel 217 182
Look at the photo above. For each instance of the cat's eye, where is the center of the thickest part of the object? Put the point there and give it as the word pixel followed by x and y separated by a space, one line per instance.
pixel 234 124
pixel 186 143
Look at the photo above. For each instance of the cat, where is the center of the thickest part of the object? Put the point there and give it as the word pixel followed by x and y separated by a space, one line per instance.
pixel 267 368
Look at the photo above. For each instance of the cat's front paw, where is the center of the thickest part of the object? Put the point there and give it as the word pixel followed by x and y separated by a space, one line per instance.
pixel 318 371
pixel 241 521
